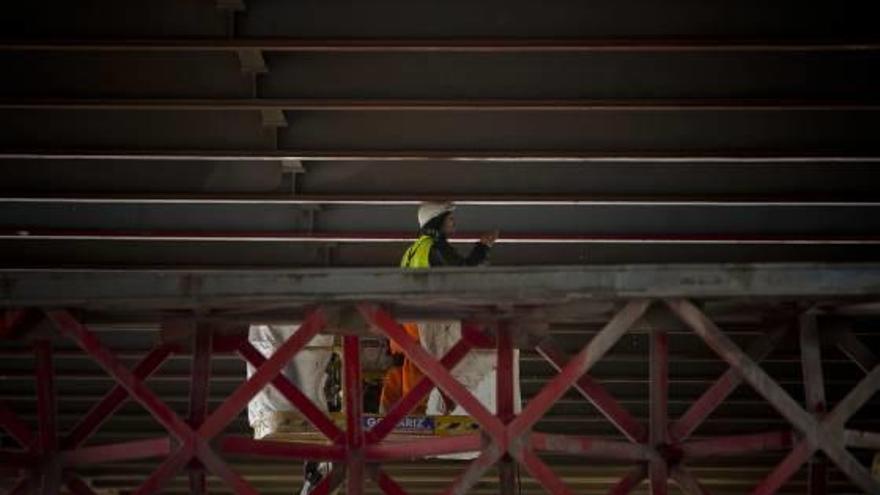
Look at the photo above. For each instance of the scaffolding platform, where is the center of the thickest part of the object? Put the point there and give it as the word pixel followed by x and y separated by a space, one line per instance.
pixel 201 314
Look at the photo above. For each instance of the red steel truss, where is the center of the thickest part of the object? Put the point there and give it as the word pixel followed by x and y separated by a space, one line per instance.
pixel 658 451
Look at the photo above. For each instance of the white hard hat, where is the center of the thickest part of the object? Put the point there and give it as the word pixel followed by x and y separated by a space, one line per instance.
pixel 431 210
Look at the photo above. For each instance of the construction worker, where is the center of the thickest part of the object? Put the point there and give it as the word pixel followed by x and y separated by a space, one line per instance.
pixel 431 249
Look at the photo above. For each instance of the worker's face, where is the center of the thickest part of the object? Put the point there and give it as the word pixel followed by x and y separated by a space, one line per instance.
pixel 449 225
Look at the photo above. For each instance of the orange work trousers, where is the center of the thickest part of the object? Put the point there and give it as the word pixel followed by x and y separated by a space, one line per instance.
pixel 399 380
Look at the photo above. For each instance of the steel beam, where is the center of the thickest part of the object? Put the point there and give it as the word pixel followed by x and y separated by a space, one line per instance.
pixel 330 483
pixel 597 448
pixel 687 482
pixel 354 409
pixel 385 482
pixel 274 449
pixel 507 482
pixel 19 459
pixel 715 395
pixel 17 429
pixel 201 376
pixel 414 449
pixel 47 414
pixel 198 398
pixel 304 405
pixel 167 470
pixel 473 473
pixel 861 354
pixel 77 486
pixel 832 423
pixel 811 363
pixel 515 439
pixel 294 236
pixel 164 415
pixel 438 373
pixel 579 365
pixel 114 399
pixel 462 199
pixel 12 321
pixel 540 471
pixel 222 470
pixel 431 367
pixel 497 45
pixel 751 372
pixel 594 392
pixel 814 393
pixel 737 445
pixel 193 444
pixel 504 376
pixel 47 408
pixel 24 486
pixel 459 288
pixel 862 439
pixel 125 451
pixel 504 381
pixel 614 156
pixel 784 470
pixel 817 434
pixel 443 105
pixel 88 342
pixel 408 402
pixel 238 400
pixel 629 481
pixel 817 478
pixel 658 469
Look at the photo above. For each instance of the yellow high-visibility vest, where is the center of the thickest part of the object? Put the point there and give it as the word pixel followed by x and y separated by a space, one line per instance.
pixel 419 254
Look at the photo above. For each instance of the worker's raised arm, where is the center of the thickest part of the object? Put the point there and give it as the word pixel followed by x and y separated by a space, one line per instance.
pixel 443 254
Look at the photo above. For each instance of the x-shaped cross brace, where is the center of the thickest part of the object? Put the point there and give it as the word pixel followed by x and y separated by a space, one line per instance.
pixel 194 443
pixel 510 438
pixel 53 457
pixel 825 434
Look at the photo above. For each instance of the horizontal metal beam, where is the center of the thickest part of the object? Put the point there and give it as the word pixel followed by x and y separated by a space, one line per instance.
pixel 862 439
pixel 730 156
pixel 590 447
pixel 281 449
pixel 125 451
pixel 738 444
pixel 458 287
pixel 444 105
pixel 24 233
pixel 460 199
pixel 507 45
pixel 415 449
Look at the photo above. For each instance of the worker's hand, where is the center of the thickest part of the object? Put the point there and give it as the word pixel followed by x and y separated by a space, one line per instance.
pixel 489 238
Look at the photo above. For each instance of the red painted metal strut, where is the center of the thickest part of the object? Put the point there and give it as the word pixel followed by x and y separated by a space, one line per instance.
pixel 659 416
pixel 16 428
pixel 594 392
pixel 47 412
pixel 504 401
pixel 303 404
pixel 113 400
pixel 409 402
pixel 354 412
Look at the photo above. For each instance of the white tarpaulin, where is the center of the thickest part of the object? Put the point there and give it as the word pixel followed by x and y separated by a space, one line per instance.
pixel 307 370
pixel 476 372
